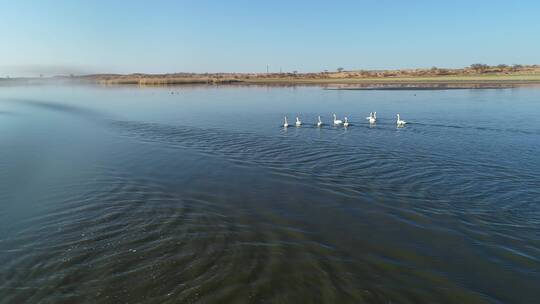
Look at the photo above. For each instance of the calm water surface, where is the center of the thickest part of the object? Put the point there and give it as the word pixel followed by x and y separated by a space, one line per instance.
pixel 137 195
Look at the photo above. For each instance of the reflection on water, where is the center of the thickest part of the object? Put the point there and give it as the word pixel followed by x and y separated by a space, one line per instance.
pixel 136 195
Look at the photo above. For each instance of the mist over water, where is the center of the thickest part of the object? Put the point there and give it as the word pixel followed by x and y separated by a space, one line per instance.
pixel 197 195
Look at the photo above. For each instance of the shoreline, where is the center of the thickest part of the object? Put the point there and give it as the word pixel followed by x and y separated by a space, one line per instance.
pixel 337 83
pixel 475 76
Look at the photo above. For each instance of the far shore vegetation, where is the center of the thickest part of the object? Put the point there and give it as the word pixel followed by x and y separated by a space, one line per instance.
pixel 474 74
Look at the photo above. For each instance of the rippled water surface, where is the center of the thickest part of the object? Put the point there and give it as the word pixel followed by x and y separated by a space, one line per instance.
pixel 197 195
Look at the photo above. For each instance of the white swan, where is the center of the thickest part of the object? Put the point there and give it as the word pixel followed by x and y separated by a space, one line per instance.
pixel 337 122
pixel 319 122
pixel 298 122
pixel 370 116
pixel 373 118
pixel 346 123
pixel 400 122
pixel 286 124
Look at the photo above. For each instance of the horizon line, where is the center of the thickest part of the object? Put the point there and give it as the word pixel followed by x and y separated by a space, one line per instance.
pixel 337 70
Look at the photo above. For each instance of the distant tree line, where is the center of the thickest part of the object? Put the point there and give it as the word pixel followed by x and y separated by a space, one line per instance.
pixel 480 67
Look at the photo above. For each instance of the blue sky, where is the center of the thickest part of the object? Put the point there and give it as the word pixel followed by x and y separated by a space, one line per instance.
pixel 77 36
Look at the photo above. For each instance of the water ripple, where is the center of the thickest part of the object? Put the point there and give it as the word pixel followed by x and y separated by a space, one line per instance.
pixel 114 237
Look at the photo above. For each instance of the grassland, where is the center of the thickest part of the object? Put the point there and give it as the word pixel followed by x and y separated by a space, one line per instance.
pixel 473 76
pixel 476 74
pixel 479 79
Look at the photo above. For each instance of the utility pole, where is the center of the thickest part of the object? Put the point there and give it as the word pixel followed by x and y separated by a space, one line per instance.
pixel 267 69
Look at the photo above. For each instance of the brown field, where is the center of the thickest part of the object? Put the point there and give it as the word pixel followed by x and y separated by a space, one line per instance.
pixel 477 74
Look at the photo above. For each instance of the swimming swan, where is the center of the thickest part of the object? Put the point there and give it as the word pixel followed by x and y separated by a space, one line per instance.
pixel 400 122
pixel 286 124
pixel 337 121
pixel 298 122
pixel 372 117
pixel 346 123
pixel 319 122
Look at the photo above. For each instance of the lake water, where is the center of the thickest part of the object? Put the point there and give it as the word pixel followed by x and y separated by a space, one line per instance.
pixel 137 195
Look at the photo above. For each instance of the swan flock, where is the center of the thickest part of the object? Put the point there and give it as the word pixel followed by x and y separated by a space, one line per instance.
pixel 372 119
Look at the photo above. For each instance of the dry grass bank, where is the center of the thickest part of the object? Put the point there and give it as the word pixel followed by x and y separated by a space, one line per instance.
pixel 474 74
